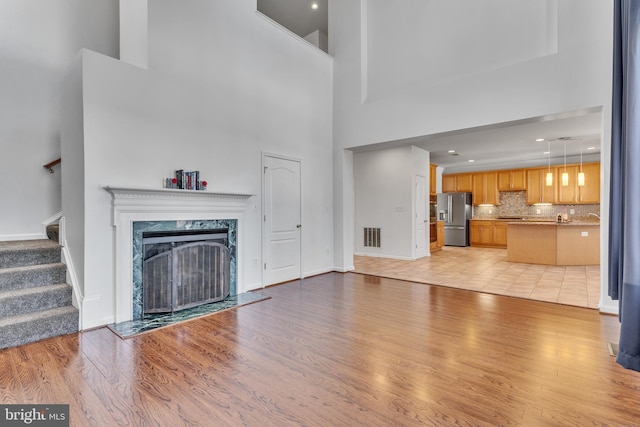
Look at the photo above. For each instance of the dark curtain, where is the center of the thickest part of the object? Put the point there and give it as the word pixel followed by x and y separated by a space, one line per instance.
pixel 624 220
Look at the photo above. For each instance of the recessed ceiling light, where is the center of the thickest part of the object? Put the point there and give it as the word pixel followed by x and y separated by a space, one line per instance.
pixel 314 5
pixel 539 139
pixel 545 152
pixel 591 148
pixel 451 151
pixel 471 161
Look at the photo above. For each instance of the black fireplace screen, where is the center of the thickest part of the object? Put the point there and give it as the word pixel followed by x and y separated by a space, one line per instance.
pixel 184 269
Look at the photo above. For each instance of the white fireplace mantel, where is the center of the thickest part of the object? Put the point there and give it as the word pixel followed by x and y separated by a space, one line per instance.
pixel 132 204
pixel 131 199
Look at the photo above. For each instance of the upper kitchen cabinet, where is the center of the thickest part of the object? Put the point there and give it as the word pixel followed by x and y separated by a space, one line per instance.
pixel 590 192
pixel 568 194
pixel 457 183
pixel 512 180
pixel 574 193
pixel 485 188
pixel 432 179
pixel 537 189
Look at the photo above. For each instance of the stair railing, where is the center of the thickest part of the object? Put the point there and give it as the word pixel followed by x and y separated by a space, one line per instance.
pixel 49 166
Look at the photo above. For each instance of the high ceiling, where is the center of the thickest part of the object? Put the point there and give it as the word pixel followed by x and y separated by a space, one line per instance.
pixel 498 146
pixel 297 15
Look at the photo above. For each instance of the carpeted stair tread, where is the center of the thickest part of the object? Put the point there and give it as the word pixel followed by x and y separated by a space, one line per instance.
pixel 28 252
pixel 32 276
pixel 23 301
pixel 35 300
pixel 39 325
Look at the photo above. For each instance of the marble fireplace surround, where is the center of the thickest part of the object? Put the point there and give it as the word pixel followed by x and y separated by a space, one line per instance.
pixel 183 208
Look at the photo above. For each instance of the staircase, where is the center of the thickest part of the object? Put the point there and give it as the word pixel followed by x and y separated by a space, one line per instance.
pixel 35 300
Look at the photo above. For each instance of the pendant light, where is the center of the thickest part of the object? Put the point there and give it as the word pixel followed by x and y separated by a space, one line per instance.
pixel 549 178
pixel 581 174
pixel 565 175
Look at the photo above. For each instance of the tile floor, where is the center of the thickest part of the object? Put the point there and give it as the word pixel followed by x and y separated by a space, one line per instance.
pixel 487 270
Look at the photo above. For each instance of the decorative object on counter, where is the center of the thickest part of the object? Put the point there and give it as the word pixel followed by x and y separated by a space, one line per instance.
pixel 185 181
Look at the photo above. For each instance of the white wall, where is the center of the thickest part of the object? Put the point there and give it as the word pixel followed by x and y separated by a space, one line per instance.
pixel 223 86
pixel 385 198
pixel 573 78
pixel 319 39
pixel 72 174
pixel 38 40
pixel 134 32
pixel 394 80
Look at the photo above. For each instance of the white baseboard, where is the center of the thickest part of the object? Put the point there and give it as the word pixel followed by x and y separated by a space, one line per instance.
pixel 609 309
pixel 14 237
pixel 317 272
pixel 72 277
pixel 93 304
pixel 344 269
pixel 385 256
pixel 254 287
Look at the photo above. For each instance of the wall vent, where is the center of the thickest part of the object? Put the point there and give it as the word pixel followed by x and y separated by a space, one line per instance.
pixel 371 237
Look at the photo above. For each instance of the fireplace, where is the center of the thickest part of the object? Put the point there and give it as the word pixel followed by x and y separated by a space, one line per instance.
pixel 184 268
pixel 220 231
pixel 140 210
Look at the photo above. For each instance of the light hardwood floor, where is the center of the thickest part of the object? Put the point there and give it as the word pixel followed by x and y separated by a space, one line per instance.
pixel 342 350
pixel 487 270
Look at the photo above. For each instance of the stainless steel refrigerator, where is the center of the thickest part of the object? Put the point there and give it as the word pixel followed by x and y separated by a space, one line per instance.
pixel 455 209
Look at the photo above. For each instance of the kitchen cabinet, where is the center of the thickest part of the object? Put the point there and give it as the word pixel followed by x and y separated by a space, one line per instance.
pixel 480 233
pixel 464 182
pixel 485 188
pixel 552 243
pixel 512 180
pixel 537 190
pixel 439 242
pixel 568 194
pixel 590 192
pixel 530 180
pixel 488 233
pixel 448 183
pixel 432 179
pixel 457 183
pixel 500 233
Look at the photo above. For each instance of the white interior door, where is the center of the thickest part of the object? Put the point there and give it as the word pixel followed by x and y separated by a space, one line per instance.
pixel 421 216
pixel 282 226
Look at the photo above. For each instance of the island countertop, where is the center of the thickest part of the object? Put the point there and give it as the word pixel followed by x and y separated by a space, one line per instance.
pixel 554 243
pixel 568 223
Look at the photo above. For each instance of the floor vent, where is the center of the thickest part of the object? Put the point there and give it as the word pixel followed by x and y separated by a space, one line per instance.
pixel 613 349
pixel 371 237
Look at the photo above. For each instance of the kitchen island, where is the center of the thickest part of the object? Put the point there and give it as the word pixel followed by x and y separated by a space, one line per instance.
pixel 554 243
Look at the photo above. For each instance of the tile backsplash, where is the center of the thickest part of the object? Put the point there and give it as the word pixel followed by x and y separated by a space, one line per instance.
pixel 514 203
